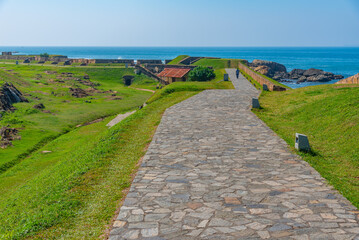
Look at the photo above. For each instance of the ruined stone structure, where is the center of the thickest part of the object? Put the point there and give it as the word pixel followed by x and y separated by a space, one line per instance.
pixel 261 80
pixel 148 73
pixel 141 62
pixel 9 95
pixel 17 57
pixel 128 61
pixel 191 60
pixel 82 60
pixel 6 53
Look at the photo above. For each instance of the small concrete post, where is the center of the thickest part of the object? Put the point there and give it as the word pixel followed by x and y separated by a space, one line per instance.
pixel 255 103
pixel 302 143
pixel 265 87
pixel 225 77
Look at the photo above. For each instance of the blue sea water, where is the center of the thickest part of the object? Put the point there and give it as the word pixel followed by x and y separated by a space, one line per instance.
pixel 339 60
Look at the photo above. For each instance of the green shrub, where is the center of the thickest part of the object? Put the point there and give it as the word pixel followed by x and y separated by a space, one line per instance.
pixel 44 55
pixel 201 74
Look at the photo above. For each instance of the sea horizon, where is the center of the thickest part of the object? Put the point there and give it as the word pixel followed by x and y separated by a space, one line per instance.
pixel 339 60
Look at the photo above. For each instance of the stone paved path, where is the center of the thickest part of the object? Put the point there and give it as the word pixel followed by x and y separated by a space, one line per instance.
pixel 215 171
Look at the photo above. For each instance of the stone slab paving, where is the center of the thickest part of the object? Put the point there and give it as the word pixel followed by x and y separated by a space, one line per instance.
pixel 215 171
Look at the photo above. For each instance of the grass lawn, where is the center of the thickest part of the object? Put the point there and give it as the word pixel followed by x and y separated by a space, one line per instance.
pixel 329 116
pixel 218 63
pixel 178 59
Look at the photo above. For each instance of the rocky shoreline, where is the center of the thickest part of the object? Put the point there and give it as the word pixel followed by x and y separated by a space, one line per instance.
pixel 279 72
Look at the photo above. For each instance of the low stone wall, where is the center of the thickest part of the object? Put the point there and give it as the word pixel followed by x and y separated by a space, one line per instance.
pixel 14 57
pixel 261 80
pixel 128 61
pixel 150 74
pixel 142 61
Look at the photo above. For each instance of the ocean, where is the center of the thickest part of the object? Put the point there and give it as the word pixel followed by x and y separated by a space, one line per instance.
pixel 339 60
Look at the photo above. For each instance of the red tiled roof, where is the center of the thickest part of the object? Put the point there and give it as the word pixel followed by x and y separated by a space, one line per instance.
pixel 174 72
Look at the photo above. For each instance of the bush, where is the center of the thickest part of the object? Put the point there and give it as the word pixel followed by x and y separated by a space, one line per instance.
pixel 44 55
pixel 201 74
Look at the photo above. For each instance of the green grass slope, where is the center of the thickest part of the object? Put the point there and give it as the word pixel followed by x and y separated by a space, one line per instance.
pixel 64 111
pixel 178 59
pixel 329 116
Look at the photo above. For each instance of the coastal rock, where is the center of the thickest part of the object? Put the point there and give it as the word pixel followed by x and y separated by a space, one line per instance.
pixel 262 70
pixel 9 95
pixel 273 66
pixel 280 75
pixel 279 72
pixel 271 69
pixel 351 80
pixel 313 75
pixel 296 73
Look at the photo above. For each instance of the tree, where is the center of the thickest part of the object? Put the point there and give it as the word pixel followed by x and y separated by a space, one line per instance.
pixel 201 74
pixel 44 55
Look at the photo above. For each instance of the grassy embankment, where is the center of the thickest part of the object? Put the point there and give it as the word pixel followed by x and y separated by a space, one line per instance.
pixel 329 116
pixel 178 59
pixel 73 191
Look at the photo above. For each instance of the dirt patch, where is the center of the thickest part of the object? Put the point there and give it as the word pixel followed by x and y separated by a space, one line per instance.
pixel 39 106
pixel 7 136
pixel 50 72
pixel 89 123
pixel 346 86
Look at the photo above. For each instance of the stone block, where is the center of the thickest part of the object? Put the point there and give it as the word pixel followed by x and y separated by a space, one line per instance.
pixel 255 103
pixel 225 77
pixel 302 143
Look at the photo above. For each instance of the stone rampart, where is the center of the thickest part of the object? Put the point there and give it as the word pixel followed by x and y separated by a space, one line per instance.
pixel 261 80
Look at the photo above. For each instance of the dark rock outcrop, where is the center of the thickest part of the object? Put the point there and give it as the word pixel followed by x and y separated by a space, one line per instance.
pixel 313 75
pixel 274 67
pixel 7 135
pixel 9 95
pixel 271 69
pixel 39 106
pixel 78 92
pixel 279 72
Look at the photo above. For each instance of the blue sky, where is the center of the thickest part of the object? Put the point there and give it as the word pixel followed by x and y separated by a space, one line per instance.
pixel 179 23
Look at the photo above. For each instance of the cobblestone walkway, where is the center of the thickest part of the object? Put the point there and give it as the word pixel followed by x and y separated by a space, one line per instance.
pixel 215 171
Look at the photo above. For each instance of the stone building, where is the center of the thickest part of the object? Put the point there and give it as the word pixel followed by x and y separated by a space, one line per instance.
pixel 6 53
pixel 170 75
